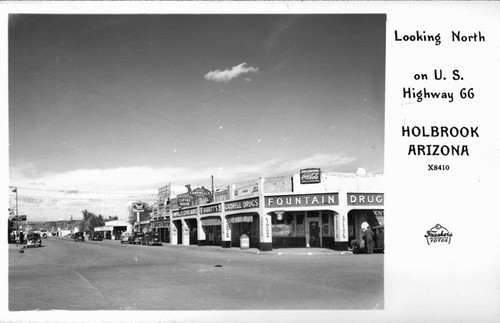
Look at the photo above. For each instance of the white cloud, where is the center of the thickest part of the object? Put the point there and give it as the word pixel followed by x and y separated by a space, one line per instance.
pixel 228 74
pixel 147 180
pixel 109 191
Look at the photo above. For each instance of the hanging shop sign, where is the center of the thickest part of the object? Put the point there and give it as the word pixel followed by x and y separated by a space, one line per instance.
pixel 160 224
pixel 207 209
pixel 242 204
pixel 310 176
pixel 302 200
pixel 360 199
pixel 239 218
pixel 340 228
pixel 185 212
pixel 211 220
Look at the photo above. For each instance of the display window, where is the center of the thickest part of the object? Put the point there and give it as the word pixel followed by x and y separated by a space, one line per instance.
pixel 251 229
pixel 327 223
pixel 283 227
pixel 299 220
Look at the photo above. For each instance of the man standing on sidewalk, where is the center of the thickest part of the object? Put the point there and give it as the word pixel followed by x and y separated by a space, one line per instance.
pixel 369 240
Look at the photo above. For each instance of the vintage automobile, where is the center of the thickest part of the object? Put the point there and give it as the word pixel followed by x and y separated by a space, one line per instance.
pixel 33 239
pixel 378 241
pixel 78 236
pixel 43 233
pixel 152 238
pixel 136 237
pixel 125 237
pixel 97 236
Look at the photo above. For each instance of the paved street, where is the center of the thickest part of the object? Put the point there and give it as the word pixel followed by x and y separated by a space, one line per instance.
pixel 107 275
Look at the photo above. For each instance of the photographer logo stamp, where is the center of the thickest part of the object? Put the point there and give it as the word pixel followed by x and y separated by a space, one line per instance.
pixel 438 234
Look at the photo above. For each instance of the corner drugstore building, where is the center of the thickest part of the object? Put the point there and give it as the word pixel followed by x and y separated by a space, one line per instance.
pixel 309 209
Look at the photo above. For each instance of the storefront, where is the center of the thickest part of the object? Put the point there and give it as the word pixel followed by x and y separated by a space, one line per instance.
pixel 162 226
pixel 364 208
pixel 210 217
pixel 184 228
pixel 302 220
pixel 242 217
pixel 213 232
pixel 309 210
pixel 248 224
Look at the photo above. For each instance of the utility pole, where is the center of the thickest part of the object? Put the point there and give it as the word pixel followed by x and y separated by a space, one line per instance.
pixel 213 191
pixel 17 211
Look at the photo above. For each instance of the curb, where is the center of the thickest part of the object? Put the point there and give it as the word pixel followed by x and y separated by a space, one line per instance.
pixel 281 252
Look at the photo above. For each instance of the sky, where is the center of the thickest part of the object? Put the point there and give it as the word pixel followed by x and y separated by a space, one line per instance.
pixel 105 109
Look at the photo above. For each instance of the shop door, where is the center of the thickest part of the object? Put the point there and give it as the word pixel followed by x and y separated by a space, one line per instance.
pixel 314 239
pixel 217 235
pixel 178 227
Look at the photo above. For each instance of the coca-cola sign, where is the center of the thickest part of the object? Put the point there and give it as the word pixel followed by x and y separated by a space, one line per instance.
pixel 310 176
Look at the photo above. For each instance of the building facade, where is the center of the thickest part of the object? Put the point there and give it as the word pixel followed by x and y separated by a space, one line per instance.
pixel 114 229
pixel 309 209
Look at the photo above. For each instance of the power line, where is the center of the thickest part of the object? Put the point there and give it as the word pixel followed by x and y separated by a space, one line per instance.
pixel 60 79
pixel 93 199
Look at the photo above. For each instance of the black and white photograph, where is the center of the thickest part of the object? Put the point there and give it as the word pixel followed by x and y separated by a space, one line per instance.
pixel 240 162
pixel 235 160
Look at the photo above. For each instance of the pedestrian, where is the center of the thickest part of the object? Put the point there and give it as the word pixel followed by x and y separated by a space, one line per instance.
pixel 369 240
pixel 362 238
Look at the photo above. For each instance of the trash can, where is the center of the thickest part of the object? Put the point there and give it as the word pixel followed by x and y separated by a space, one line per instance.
pixel 244 242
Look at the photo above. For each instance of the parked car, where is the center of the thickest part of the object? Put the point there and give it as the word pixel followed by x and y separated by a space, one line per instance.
pixel 125 237
pixel 378 241
pixel 33 239
pixel 137 237
pixel 78 236
pixel 43 233
pixel 152 238
pixel 97 236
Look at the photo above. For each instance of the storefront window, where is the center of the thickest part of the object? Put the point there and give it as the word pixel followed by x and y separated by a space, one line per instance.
pixel 299 218
pixel 251 229
pixel 283 227
pixel 327 223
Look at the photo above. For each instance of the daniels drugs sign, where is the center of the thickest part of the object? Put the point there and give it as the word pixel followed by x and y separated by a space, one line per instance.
pixel 243 204
pixel 310 176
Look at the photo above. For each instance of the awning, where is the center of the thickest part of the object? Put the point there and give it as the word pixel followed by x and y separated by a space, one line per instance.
pixel 104 228
pixel 376 217
pixel 239 218
pixel 160 224
pixel 213 220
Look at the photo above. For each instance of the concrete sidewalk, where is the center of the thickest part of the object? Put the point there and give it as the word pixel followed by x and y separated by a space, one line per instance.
pixel 274 252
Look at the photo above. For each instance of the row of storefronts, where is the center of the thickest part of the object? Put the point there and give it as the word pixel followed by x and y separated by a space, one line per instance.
pixel 318 210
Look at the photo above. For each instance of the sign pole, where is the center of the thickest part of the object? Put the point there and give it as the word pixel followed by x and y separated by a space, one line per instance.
pixel 213 191
pixel 138 207
pixel 138 220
